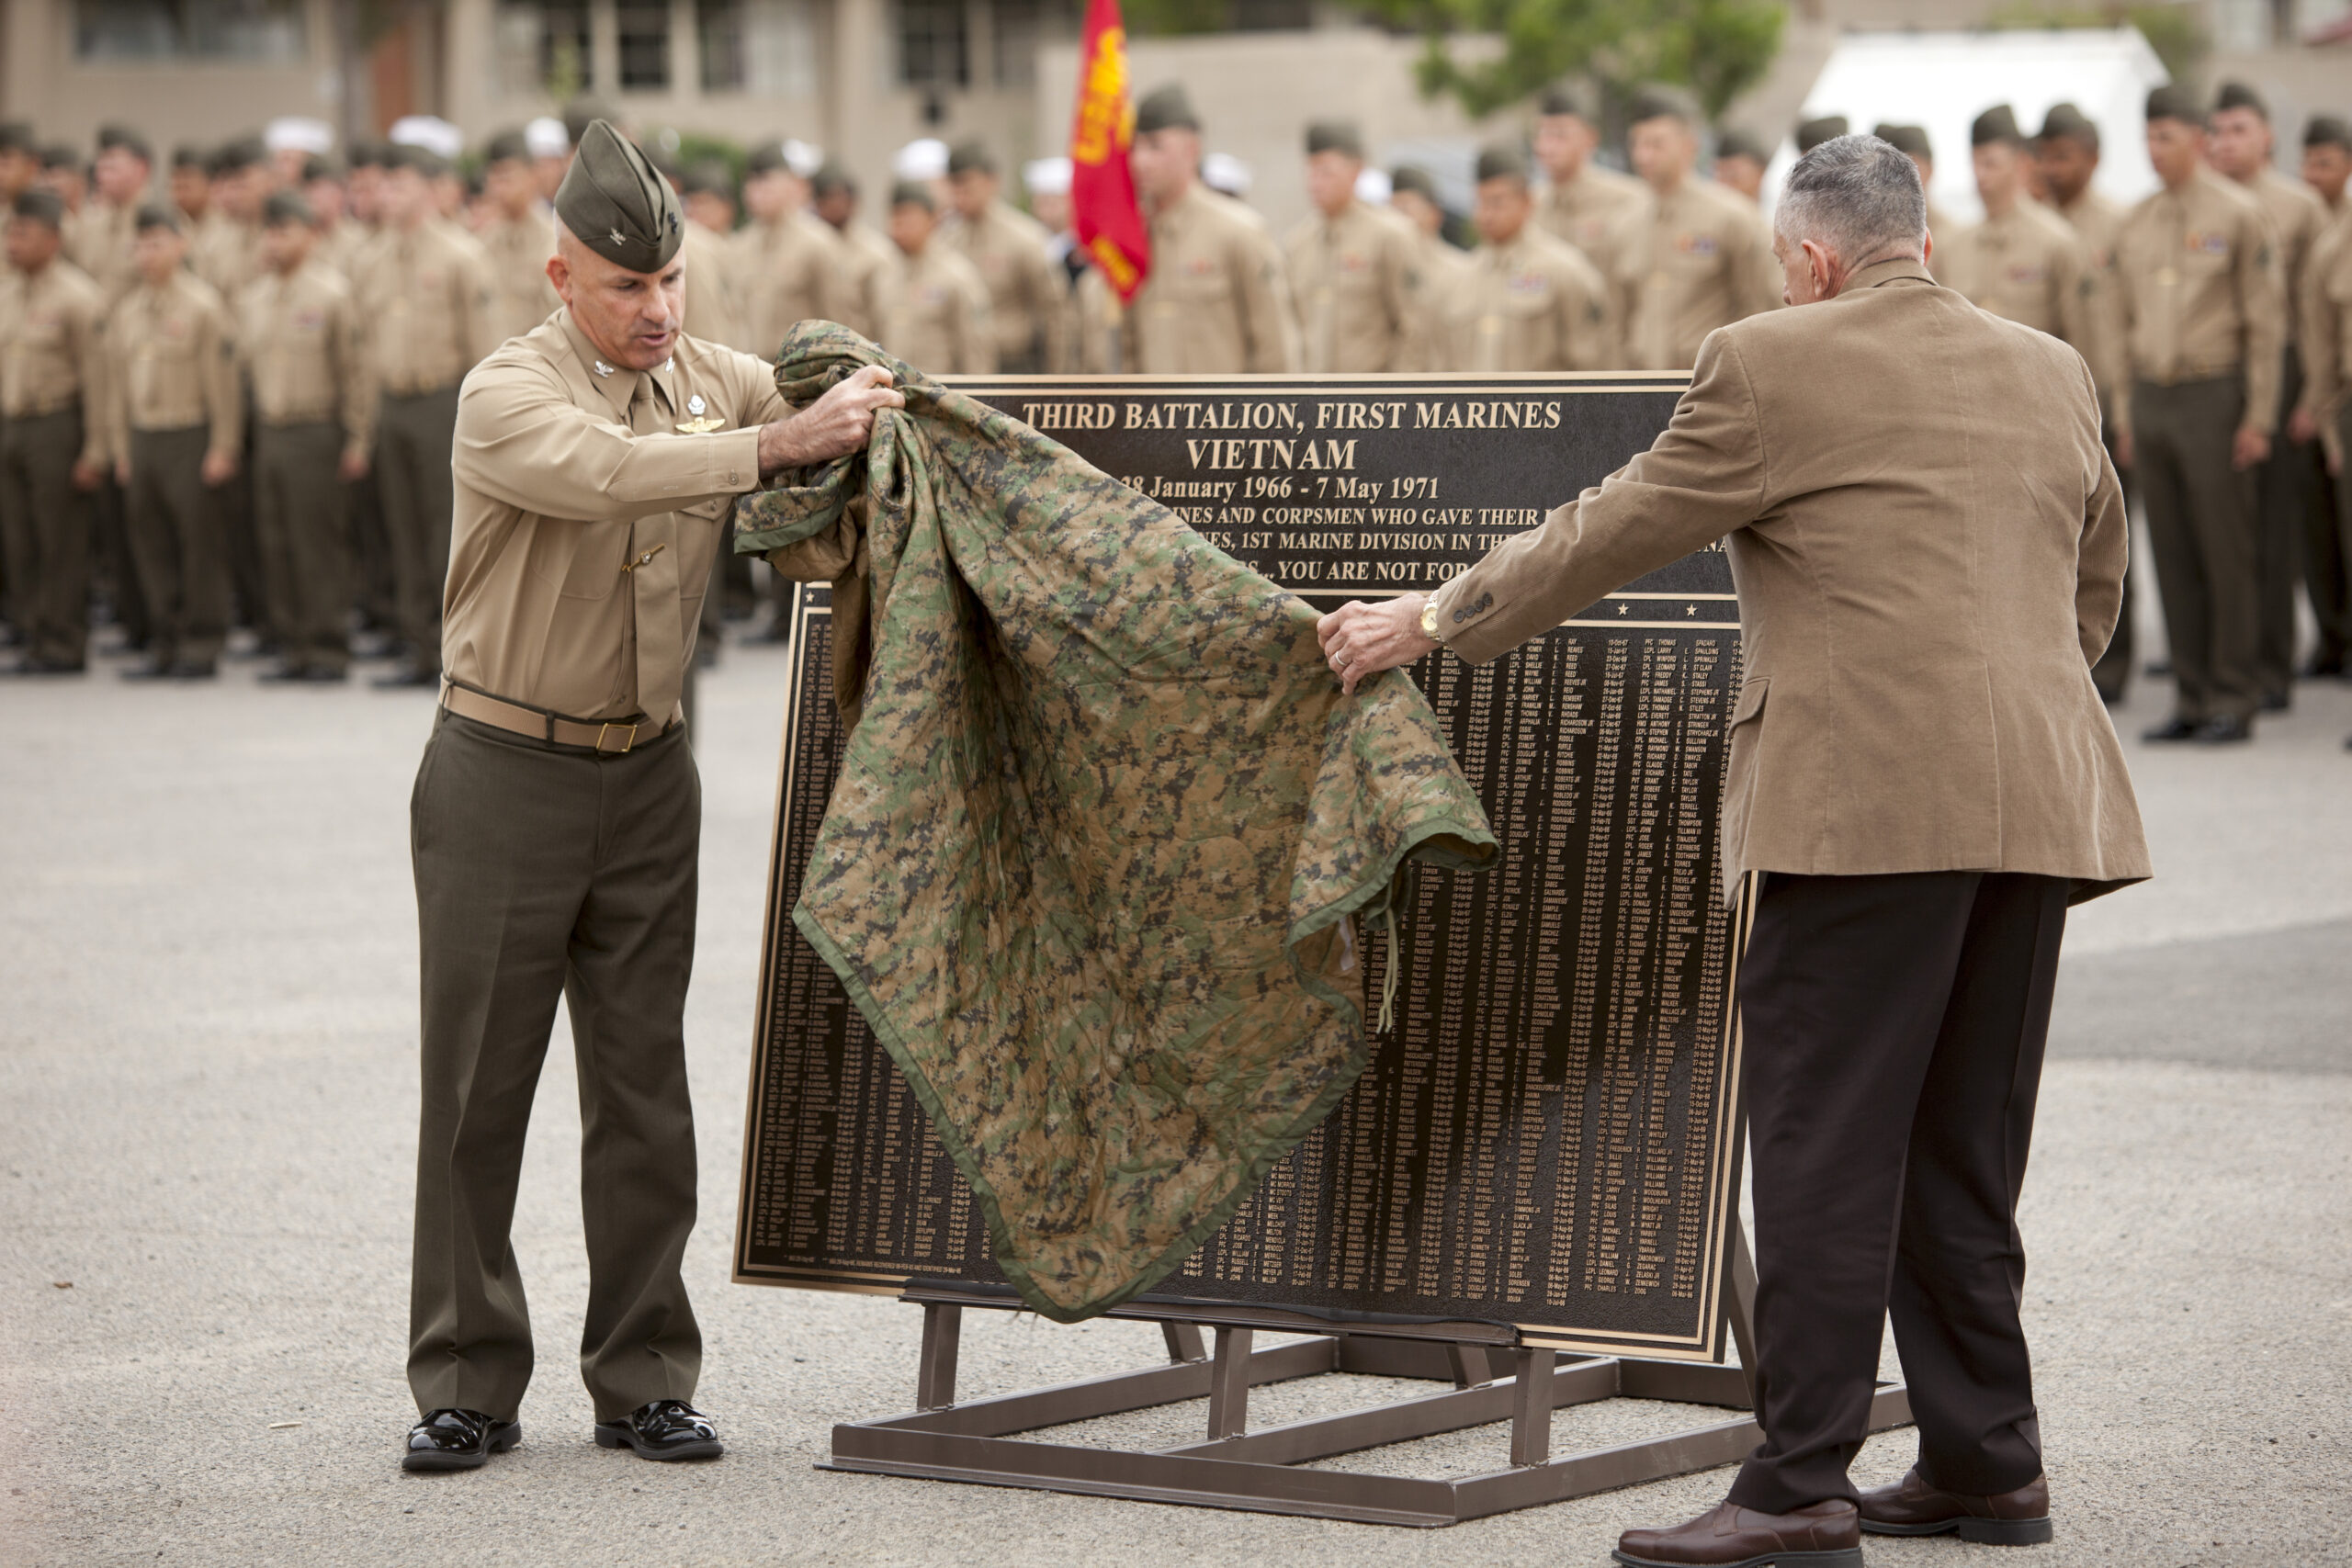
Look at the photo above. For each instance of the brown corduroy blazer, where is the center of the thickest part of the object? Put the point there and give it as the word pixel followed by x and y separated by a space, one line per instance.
pixel 1929 541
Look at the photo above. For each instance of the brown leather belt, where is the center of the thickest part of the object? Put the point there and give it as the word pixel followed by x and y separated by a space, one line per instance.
pixel 613 739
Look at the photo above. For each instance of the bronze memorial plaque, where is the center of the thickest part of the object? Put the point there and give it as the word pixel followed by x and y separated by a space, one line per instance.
pixel 1547 1139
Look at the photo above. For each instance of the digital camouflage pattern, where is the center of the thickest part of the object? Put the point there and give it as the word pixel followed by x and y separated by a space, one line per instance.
pixel 1100 830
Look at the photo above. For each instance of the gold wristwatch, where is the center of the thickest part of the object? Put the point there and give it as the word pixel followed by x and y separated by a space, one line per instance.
pixel 1429 617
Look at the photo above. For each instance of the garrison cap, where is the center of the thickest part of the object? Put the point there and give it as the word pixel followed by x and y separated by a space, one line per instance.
pixel 423 160
pixel 1908 138
pixel 16 136
pixel 158 215
pixel 315 167
pixel 1164 108
pixel 1999 123
pixel 970 155
pixel 1568 98
pixel 1503 161
pixel 709 178
pixel 60 155
pixel 288 206
pixel 765 159
pixel 119 136
pixel 2238 95
pixel 1737 143
pixel 1812 134
pixel 242 153
pixel 1658 101
pixel 188 156
pixel 615 204
pixel 2066 120
pixel 2327 130
pixel 506 147
pixel 832 174
pixel 2172 101
pixel 914 193
pixel 369 154
pixel 41 206
pixel 1335 136
pixel 1412 177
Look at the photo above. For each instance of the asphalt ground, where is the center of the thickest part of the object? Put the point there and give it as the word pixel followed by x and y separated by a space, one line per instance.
pixel 208 1086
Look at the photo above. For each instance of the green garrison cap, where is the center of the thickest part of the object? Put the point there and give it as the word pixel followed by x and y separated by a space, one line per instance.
pixel 2238 95
pixel 41 206
pixel 2066 120
pixel 16 136
pixel 1812 134
pixel 242 153
pixel 832 174
pixel 2172 101
pixel 1909 138
pixel 1568 98
pixel 1412 177
pixel 1335 136
pixel 113 138
pixel 1658 101
pixel 615 204
pixel 507 147
pixel 288 206
pixel 1737 143
pixel 914 193
pixel 764 159
pixel 1503 161
pixel 1165 108
pixel 315 167
pixel 709 178
pixel 2327 130
pixel 159 215
pixel 1999 123
pixel 60 155
pixel 970 155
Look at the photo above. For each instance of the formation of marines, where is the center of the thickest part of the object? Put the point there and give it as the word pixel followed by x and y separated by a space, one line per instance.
pixel 233 401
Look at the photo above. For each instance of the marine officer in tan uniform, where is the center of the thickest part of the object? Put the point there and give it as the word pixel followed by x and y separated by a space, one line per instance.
pixel 1584 202
pixel 314 410
pixel 2204 316
pixel 786 260
pixel 2328 563
pixel 556 814
pixel 1440 267
pixel 934 306
pixel 1354 267
pixel 2023 263
pixel 1691 256
pixel 1028 294
pixel 53 434
pixel 430 309
pixel 1529 301
pixel 861 255
pixel 520 237
pixel 227 245
pixel 1216 300
pixel 2242 147
pixel 109 228
pixel 178 423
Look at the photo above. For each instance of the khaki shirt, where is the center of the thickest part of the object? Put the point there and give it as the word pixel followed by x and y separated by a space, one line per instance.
pixel 2327 332
pixel 1028 291
pixel 1687 262
pixel 1441 272
pixel 2099 224
pixel 1354 277
pixel 786 273
pixel 430 309
pixel 1532 304
pixel 860 256
pixel 2201 294
pixel 1940 229
pixel 2029 268
pixel 1216 303
pixel 175 354
pixel 1102 325
pixel 51 348
pixel 519 249
pixel 102 247
pixel 345 247
pixel 1586 210
pixel 566 482
pixel 299 338
pixel 2298 218
pixel 934 312
pixel 712 313
pixel 226 254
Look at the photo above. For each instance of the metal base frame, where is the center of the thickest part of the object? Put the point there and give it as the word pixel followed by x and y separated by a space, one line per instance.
pixel 1235 1467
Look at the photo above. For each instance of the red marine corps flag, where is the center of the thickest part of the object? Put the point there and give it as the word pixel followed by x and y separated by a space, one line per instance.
pixel 1102 188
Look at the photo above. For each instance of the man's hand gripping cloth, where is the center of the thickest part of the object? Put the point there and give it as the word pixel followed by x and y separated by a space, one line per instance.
pixel 1099 830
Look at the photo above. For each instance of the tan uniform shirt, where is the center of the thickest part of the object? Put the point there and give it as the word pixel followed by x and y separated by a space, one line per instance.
pixel 1586 210
pixel 1354 277
pixel 1101 326
pixel 1940 229
pixel 786 273
pixel 102 247
pixel 429 307
pixel 711 312
pixel 587 522
pixel 2201 294
pixel 1918 622
pixel 1685 264
pixel 175 354
pixel 1532 304
pixel 1028 291
pixel 1216 303
pixel 519 249
pixel 2099 224
pixel 52 349
pixel 860 256
pixel 935 313
pixel 2298 218
pixel 2327 330
pixel 345 247
pixel 1441 273
pixel 226 254
pixel 299 338
pixel 2028 266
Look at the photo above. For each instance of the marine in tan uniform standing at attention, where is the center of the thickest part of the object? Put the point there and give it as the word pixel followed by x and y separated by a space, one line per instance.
pixel 1353 268
pixel 2023 263
pixel 430 310
pixel 178 435
pixel 556 814
pixel 1693 256
pixel 2327 291
pixel 2204 321
pixel 53 439
pixel 1584 202
pixel 1215 301
pixel 935 307
pixel 785 259
pixel 1530 301
pixel 314 408
pixel 861 255
pixel 1439 268
pixel 1028 293
pixel 520 238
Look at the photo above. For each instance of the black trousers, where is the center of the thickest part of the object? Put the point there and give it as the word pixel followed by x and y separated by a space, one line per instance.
pixel 1894 1030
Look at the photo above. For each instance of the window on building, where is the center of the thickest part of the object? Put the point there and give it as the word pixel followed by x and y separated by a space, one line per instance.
pixel 543 48
pixel 766 47
pixel 1021 26
pixel 932 45
pixel 644 27
pixel 263 31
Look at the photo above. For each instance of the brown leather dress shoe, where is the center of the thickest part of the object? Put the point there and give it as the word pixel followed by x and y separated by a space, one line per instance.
pixel 1911 1507
pixel 1822 1535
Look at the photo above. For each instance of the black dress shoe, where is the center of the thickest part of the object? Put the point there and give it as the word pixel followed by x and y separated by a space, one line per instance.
pixel 2174 730
pixel 2276 702
pixel 285 674
pixel 326 674
pixel 50 667
pixel 154 670
pixel 2224 731
pixel 2157 669
pixel 190 670
pixel 401 679
pixel 667 1428
pixel 457 1439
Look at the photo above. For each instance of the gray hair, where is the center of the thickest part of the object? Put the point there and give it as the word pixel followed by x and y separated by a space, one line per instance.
pixel 1857 195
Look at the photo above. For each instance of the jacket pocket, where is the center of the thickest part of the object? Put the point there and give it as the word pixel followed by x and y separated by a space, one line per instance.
pixel 1745 731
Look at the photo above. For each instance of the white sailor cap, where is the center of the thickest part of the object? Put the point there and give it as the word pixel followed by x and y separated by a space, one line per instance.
pixel 1046 177
pixel 545 138
pixel 299 133
pixel 431 132
pixel 1223 171
pixel 803 158
pixel 925 159
pixel 1372 187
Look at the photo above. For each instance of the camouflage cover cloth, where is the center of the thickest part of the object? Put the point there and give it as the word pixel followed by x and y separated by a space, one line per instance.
pixel 1099 833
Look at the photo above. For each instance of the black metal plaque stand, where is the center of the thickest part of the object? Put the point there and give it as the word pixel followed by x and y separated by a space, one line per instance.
pixel 1494 1379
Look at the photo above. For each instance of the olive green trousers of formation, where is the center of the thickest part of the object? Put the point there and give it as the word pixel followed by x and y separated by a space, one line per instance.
pixel 545 870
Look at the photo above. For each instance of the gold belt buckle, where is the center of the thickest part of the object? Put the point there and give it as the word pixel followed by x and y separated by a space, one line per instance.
pixel 625 745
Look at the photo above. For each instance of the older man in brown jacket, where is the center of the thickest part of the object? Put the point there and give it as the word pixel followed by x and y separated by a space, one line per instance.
pixel 1928 543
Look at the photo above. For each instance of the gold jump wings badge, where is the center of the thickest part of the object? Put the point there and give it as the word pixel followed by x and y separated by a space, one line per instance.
pixel 701 424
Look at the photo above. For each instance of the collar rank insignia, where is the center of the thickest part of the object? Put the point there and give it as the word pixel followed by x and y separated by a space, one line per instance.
pixel 601 369
pixel 698 425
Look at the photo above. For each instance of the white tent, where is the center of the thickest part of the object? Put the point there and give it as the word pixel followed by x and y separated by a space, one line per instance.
pixel 1943 81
